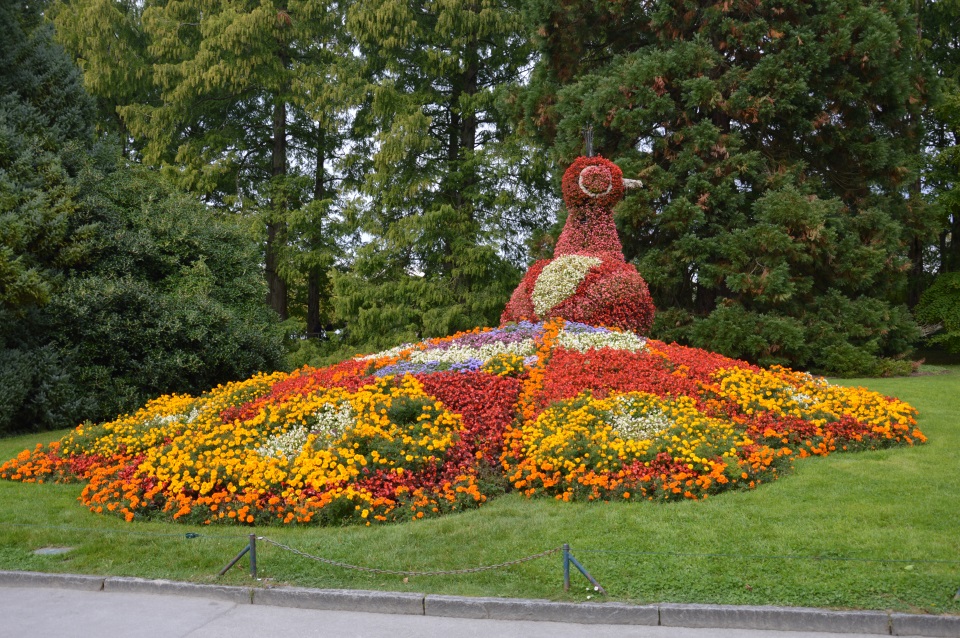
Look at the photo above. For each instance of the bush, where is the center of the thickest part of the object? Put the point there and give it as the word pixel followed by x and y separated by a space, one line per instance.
pixel 163 295
pixel 940 305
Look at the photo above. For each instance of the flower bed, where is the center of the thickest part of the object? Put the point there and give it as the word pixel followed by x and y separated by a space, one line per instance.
pixel 557 409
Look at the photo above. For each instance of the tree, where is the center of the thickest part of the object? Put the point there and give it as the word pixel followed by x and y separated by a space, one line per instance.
pixel 243 102
pixel 941 43
pixel 40 132
pixel 165 294
pixel 110 47
pixel 114 287
pixel 447 197
pixel 778 144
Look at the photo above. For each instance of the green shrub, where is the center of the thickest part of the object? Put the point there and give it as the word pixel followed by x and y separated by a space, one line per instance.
pixel 940 306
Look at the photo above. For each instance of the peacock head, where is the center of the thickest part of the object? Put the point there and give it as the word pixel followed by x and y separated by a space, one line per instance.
pixel 594 181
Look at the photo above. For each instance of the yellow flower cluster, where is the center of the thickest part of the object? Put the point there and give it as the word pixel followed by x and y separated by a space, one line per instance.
pixel 574 449
pixel 177 455
pixel 784 392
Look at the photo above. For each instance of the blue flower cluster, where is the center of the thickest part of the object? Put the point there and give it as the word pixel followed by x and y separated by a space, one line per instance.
pixel 511 333
pixel 408 367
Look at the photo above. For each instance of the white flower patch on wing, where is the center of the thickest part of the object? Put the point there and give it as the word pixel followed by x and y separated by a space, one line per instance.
pixel 559 280
pixel 583 341
pixel 460 354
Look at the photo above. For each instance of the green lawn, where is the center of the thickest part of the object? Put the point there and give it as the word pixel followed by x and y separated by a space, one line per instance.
pixel 875 530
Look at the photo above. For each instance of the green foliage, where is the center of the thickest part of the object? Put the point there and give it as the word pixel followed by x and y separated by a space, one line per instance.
pixel 42 133
pixel 940 306
pixel 777 145
pixel 449 192
pixel 940 46
pixel 166 298
pixel 114 287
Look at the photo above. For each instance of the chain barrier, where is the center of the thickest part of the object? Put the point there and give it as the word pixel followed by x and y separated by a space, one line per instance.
pixel 396 572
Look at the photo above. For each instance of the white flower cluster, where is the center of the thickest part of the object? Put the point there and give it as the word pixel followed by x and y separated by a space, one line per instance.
pixel 803 400
pixel 559 280
pixel 460 354
pixel 816 380
pixel 332 420
pixel 285 446
pixel 632 419
pixel 159 421
pixel 583 341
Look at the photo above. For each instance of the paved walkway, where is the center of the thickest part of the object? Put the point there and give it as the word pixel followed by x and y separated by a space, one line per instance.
pixel 27 612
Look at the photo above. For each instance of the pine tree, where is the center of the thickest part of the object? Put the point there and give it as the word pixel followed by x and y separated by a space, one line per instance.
pixel 110 47
pixel 41 131
pixel 942 49
pixel 777 142
pixel 242 102
pixel 446 199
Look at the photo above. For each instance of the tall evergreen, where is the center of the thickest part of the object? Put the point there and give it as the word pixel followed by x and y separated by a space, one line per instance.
pixel 242 102
pixel 114 286
pixel 447 200
pixel 778 145
pixel 941 42
pixel 110 47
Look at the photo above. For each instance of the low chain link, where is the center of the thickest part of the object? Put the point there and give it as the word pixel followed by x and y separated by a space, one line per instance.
pixel 395 572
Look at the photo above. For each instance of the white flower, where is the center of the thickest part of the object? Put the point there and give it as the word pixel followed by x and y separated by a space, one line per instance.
pixel 332 420
pixel 583 341
pixel 285 446
pixel 636 419
pixel 460 354
pixel 803 400
pixel 559 279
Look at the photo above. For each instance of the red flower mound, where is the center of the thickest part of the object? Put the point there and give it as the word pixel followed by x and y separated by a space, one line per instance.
pixel 520 306
pixel 606 370
pixel 486 402
pixel 613 293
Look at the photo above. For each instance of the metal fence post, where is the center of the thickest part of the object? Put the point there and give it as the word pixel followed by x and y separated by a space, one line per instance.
pixel 566 567
pixel 251 548
pixel 253 556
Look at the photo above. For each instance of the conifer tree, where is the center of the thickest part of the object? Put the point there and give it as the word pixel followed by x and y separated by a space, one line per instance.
pixel 942 49
pixel 45 120
pixel 110 47
pixel 446 198
pixel 777 142
pixel 242 102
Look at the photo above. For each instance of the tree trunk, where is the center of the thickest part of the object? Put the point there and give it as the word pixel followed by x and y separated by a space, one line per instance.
pixel 316 278
pixel 276 226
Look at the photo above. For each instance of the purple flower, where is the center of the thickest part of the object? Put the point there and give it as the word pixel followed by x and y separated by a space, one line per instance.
pixel 508 334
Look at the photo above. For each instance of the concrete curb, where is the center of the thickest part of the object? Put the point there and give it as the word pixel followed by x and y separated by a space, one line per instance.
pixel 777 618
pixel 40 579
pixel 543 610
pixel 664 614
pixel 239 595
pixel 341 600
